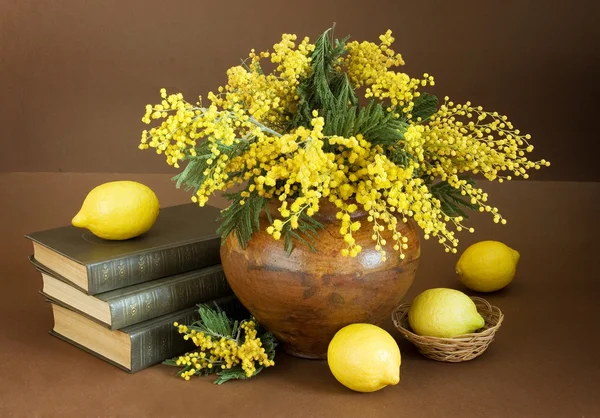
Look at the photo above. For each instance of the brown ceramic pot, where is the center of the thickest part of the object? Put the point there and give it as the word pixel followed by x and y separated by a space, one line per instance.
pixel 304 299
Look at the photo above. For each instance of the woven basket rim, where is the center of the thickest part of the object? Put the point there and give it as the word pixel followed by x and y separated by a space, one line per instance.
pixel 402 311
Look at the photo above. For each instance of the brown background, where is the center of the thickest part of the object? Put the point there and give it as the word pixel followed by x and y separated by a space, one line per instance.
pixel 76 75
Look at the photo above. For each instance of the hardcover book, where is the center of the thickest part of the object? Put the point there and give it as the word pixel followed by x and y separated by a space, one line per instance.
pixel 135 347
pixel 134 304
pixel 184 238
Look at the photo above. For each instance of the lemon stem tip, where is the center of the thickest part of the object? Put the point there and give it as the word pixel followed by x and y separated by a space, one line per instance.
pixel 392 381
pixel 78 220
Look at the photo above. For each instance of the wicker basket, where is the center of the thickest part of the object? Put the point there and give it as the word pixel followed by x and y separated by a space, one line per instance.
pixel 457 349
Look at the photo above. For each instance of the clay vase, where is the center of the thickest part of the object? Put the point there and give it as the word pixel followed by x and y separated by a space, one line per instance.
pixel 304 299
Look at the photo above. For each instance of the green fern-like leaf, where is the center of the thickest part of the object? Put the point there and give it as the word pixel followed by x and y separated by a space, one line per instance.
pixel 193 175
pixel 235 373
pixel 399 156
pixel 453 204
pixel 241 220
pixel 379 126
pixel 215 321
pixel 326 89
pixel 306 233
pixel 424 107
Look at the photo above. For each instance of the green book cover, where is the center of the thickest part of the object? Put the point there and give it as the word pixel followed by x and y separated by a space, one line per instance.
pixel 133 304
pixel 136 347
pixel 184 238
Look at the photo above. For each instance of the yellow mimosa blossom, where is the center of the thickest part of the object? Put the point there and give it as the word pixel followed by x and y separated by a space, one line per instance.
pixel 224 353
pixel 298 134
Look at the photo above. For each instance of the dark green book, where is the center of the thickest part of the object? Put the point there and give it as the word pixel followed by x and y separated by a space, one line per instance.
pixel 134 304
pixel 135 347
pixel 184 238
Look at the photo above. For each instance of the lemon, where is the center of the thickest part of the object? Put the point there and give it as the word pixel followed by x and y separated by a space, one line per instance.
pixel 118 210
pixel 444 313
pixel 487 266
pixel 364 358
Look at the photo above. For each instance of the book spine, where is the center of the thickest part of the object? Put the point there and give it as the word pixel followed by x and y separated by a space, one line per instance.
pixel 170 297
pixel 140 268
pixel 160 342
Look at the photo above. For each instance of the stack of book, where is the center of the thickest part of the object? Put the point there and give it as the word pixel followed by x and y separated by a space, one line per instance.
pixel 119 299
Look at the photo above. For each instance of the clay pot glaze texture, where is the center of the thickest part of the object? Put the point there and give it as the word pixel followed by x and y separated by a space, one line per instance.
pixel 304 299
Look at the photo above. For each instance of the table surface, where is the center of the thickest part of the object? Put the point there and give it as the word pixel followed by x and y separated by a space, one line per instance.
pixel 543 363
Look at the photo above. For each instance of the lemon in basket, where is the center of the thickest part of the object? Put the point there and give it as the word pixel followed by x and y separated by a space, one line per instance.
pixel 444 313
pixel 118 210
pixel 487 266
pixel 364 358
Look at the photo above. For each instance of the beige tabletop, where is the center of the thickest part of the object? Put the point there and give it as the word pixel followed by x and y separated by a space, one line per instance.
pixel 543 363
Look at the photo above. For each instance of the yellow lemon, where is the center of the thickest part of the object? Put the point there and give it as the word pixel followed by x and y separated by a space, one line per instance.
pixel 118 210
pixel 364 358
pixel 444 313
pixel 487 266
